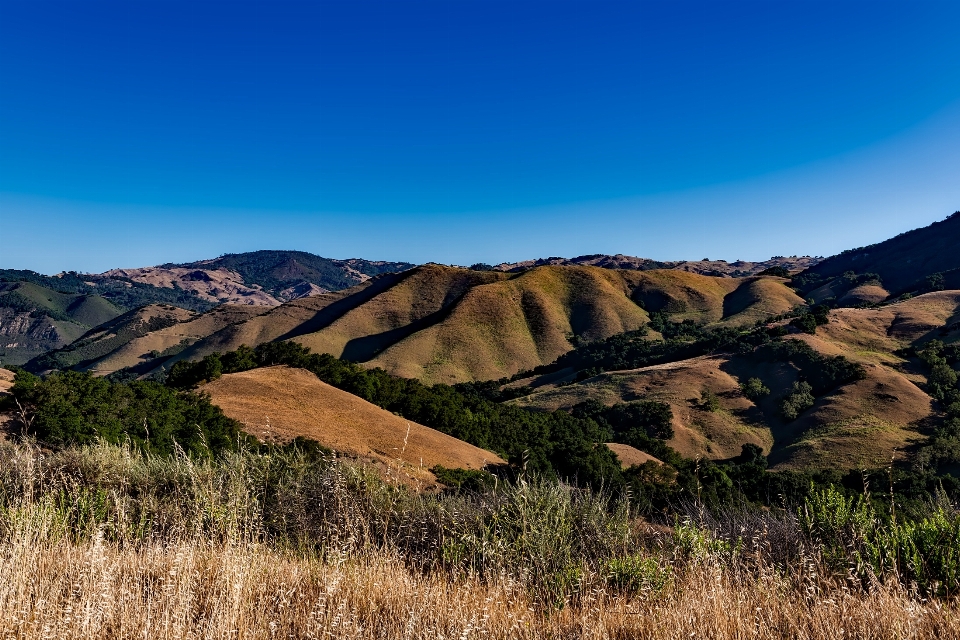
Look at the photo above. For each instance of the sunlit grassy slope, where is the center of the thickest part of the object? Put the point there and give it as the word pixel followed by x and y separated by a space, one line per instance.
pixel 278 404
pixel 863 424
pixel 445 324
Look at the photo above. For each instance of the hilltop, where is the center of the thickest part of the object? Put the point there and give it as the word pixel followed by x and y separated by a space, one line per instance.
pixel 920 260
pixel 736 269
pixel 265 278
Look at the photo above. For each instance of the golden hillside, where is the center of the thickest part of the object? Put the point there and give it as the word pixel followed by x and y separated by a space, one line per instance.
pixel 446 324
pixel 278 404
pixel 186 329
pixel 862 424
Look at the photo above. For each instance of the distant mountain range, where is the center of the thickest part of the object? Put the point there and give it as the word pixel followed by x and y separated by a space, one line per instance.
pixel 44 314
pixel 35 317
pixel 488 323
pixel 707 267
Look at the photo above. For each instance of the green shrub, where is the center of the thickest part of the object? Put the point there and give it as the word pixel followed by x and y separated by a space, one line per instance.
pixel 754 389
pixel 797 401
pixel 638 574
pixel 77 408
pixel 709 400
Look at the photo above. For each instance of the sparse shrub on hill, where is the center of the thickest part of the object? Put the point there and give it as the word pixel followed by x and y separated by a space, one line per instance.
pixel 799 399
pixel 777 271
pixel 823 373
pixel 709 400
pixel 809 321
pixel 754 389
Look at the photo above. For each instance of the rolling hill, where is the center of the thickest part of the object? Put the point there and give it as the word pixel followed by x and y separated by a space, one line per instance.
pixel 264 278
pixel 40 314
pixel 278 404
pixel 860 424
pixel 139 338
pixel 35 319
pixel 445 324
pixel 707 267
pixel 903 263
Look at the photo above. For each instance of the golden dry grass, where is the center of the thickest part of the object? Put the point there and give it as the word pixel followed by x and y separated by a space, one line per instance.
pixel 191 589
pixel 189 327
pixel 6 380
pixel 630 456
pixel 500 328
pixel 278 404
pixel 445 324
pixel 697 431
pixel 103 542
pixel 757 299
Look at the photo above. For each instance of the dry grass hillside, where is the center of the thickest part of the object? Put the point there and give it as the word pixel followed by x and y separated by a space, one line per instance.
pixel 212 285
pixel 710 299
pixel 517 323
pixel 697 431
pixel 278 404
pixel 863 424
pixel 630 456
pixel 444 324
pixel 179 336
pixel 139 337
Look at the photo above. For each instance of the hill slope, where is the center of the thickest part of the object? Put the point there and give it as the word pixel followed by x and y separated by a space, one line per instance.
pixel 264 278
pixel 35 319
pixel 279 404
pixel 443 324
pixel 860 424
pixel 904 262
pixel 141 339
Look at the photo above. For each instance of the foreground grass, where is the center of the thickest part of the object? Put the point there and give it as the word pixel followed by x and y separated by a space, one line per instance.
pixel 104 543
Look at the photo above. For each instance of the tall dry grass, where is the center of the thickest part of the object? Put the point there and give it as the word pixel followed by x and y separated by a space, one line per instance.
pixel 102 542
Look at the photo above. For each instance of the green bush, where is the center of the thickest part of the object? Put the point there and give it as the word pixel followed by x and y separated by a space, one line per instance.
pixel 709 400
pixel 754 389
pixel 77 408
pixel 797 401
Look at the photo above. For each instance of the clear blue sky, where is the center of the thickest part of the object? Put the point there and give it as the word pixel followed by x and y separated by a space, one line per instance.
pixel 135 133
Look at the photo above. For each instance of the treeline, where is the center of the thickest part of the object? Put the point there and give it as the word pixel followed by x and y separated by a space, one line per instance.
pixel 70 408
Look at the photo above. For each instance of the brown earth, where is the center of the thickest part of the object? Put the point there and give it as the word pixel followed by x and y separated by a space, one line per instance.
pixel 6 380
pixel 6 418
pixel 630 456
pixel 280 403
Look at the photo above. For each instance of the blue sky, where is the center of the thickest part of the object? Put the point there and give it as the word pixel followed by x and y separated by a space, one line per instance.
pixel 136 133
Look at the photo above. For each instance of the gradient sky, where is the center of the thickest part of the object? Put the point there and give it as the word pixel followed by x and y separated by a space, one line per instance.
pixel 136 133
